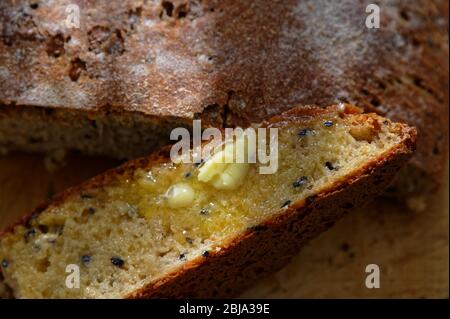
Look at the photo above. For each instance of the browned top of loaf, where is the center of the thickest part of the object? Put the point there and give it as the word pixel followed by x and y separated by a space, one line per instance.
pixel 252 58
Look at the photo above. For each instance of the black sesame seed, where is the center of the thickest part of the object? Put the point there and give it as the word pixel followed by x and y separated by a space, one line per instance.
pixel 5 263
pixel 182 256
pixel 329 165
pixel 303 132
pixel 189 240
pixel 205 253
pixel 328 123
pixel 91 210
pixel 204 211
pixel 188 174
pixel 85 259
pixel 300 182
pixel 94 123
pixel 117 261
pixel 86 196
pixel 286 203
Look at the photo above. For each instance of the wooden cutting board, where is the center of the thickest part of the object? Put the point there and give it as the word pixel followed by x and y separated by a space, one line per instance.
pixel 411 249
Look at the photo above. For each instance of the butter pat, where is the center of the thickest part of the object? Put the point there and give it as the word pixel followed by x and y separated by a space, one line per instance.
pixel 220 170
pixel 180 195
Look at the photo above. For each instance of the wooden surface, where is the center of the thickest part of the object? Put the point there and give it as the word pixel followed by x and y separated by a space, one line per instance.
pixel 411 249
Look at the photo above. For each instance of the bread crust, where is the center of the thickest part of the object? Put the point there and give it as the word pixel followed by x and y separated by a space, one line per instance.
pixel 267 247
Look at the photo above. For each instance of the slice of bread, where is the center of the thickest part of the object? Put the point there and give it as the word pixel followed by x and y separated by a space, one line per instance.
pixel 130 240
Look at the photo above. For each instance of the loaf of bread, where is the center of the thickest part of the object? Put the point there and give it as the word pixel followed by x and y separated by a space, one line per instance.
pixel 119 78
pixel 153 228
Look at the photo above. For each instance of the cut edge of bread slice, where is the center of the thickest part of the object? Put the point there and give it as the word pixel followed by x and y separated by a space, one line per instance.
pixel 252 252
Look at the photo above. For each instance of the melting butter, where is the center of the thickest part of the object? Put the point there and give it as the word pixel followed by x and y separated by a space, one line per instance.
pixel 222 170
